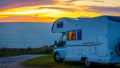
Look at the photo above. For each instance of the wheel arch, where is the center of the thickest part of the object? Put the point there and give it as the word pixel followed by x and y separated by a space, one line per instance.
pixel 56 53
pixel 117 48
pixel 84 58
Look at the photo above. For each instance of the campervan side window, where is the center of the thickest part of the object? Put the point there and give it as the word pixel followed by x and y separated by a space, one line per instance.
pixel 74 35
pixel 60 24
pixel 79 34
pixel 71 35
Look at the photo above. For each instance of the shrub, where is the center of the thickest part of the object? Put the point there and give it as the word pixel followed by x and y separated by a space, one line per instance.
pixel 18 51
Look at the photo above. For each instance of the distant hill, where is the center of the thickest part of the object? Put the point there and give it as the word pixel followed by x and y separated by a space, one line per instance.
pixel 22 35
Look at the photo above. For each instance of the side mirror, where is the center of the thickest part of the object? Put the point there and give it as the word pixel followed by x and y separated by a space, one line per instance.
pixel 55 42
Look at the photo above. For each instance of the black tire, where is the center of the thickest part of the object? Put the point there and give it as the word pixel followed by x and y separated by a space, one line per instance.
pixel 83 60
pixel 87 64
pixel 118 48
pixel 57 58
pixel 110 65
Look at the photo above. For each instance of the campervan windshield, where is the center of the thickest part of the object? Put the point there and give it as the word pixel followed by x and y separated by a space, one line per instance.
pixel 62 40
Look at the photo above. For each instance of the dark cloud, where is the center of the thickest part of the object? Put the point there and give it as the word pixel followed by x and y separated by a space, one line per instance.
pixel 104 10
pixel 61 8
pixel 74 0
pixel 98 1
pixel 85 0
pixel 98 9
pixel 18 3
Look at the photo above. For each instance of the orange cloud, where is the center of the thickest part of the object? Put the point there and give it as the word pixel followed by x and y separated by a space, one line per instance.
pixel 43 14
pixel 27 19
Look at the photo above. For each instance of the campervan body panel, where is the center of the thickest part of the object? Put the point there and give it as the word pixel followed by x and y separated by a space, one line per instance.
pixel 114 34
pixel 94 41
pixel 114 39
pixel 64 25
pixel 61 51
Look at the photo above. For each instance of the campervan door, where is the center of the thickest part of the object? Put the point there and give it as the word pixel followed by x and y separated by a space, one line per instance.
pixel 102 49
pixel 73 50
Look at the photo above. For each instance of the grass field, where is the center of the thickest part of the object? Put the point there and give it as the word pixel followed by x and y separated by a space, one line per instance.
pixel 48 62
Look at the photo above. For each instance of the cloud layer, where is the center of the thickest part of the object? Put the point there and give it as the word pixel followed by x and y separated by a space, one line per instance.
pixel 50 10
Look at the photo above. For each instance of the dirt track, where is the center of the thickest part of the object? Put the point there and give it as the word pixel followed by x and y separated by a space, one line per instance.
pixel 14 61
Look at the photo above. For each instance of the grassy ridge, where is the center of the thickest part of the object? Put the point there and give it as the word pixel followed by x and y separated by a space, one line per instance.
pixel 19 51
pixel 48 62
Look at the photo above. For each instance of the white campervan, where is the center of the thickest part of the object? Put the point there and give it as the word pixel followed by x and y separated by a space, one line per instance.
pixel 88 39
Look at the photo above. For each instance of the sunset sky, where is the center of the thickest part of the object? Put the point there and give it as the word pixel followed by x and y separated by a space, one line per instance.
pixel 50 10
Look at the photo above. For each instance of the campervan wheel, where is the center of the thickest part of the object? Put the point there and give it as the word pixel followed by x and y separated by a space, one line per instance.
pixel 57 58
pixel 118 48
pixel 87 63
